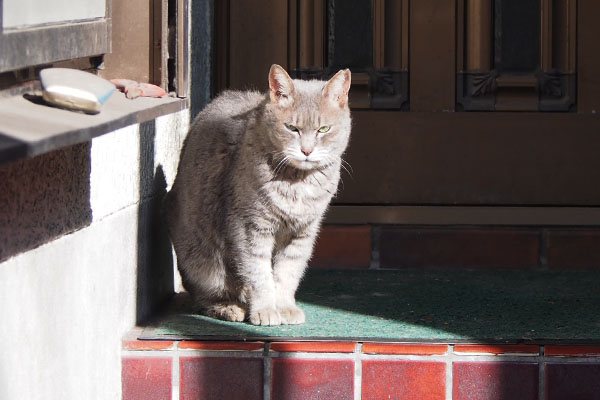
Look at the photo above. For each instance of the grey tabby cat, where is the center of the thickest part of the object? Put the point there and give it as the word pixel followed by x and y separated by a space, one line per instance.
pixel 255 177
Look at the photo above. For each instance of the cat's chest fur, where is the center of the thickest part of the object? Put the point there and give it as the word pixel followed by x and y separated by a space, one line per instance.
pixel 301 200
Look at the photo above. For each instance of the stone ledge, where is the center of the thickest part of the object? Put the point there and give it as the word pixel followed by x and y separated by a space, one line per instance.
pixel 29 127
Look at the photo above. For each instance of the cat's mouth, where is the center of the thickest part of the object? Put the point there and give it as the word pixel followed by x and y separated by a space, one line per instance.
pixel 306 164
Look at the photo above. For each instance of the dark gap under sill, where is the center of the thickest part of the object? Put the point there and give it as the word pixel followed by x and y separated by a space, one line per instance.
pixel 28 127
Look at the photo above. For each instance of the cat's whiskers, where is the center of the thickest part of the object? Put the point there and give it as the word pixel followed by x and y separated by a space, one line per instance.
pixel 331 160
pixel 343 164
pixel 347 164
pixel 319 182
pixel 282 163
pixel 282 159
pixel 346 169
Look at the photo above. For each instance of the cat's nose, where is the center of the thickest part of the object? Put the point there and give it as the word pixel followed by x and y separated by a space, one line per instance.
pixel 306 152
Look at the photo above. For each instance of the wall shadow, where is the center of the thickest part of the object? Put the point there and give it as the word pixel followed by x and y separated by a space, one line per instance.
pixel 43 198
pixel 155 280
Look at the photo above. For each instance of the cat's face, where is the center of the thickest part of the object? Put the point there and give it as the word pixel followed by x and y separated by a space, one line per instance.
pixel 309 121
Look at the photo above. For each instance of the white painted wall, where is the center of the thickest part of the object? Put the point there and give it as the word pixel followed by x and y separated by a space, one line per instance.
pixel 65 306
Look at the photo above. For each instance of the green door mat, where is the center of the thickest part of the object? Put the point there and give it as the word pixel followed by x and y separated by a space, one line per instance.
pixel 421 306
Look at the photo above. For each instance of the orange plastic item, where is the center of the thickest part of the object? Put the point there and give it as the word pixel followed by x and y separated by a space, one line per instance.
pixel 133 89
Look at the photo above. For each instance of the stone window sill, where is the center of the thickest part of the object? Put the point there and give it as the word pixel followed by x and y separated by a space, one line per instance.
pixel 28 127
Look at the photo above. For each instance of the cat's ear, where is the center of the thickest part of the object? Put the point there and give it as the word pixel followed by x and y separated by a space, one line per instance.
pixel 281 87
pixel 336 90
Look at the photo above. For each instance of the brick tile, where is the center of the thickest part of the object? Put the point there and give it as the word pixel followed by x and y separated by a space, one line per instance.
pixel 343 246
pixel 146 378
pixel 563 350
pixel 574 249
pixel 495 381
pixel 404 348
pixel 407 380
pixel 228 378
pixel 572 381
pixel 497 349
pixel 300 379
pixel 148 344
pixel 219 346
pixel 458 247
pixel 314 347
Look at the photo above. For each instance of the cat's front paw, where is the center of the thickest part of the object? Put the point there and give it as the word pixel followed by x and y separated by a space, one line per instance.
pixel 266 316
pixel 226 311
pixel 292 315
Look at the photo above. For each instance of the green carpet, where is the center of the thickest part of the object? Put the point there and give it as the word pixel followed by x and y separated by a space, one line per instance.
pixel 424 305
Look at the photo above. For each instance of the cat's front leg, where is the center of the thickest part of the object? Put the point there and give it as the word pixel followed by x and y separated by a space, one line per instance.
pixel 256 270
pixel 288 268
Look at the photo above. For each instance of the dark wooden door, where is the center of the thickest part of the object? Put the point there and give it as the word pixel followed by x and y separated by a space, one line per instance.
pixel 471 103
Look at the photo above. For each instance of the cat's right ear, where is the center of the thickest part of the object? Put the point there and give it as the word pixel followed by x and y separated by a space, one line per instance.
pixel 336 89
pixel 281 87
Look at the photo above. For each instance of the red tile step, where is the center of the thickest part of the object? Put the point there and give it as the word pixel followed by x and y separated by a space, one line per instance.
pixel 154 369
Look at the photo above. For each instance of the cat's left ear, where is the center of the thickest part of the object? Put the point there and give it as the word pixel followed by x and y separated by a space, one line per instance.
pixel 281 87
pixel 336 90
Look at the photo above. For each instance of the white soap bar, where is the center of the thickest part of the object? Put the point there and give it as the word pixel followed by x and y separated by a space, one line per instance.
pixel 74 89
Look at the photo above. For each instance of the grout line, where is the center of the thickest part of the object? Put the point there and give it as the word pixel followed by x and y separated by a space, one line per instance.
pixel 175 372
pixel 542 374
pixel 449 372
pixel 267 372
pixel 543 255
pixel 375 238
pixel 358 372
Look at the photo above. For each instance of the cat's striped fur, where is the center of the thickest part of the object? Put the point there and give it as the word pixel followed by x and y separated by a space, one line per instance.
pixel 254 180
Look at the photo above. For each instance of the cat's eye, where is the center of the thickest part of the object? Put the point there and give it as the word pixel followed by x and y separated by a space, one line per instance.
pixel 291 128
pixel 324 129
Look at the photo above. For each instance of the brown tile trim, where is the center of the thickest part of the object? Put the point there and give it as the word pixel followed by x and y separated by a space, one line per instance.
pixel 520 349
pixel 573 248
pixel 343 246
pixel 148 344
pixel 566 350
pixel 221 346
pixel 314 347
pixel 449 247
pixel 405 349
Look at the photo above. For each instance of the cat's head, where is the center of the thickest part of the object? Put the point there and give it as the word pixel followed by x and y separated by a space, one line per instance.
pixel 308 121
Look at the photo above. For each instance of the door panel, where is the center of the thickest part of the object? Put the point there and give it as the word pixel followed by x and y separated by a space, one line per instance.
pixel 473 159
pixel 427 153
pixel 432 49
pixel 257 39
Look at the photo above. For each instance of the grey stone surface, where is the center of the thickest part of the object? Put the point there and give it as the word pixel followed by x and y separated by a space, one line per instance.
pixel 66 305
pixel 30 127
pixel 44 197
